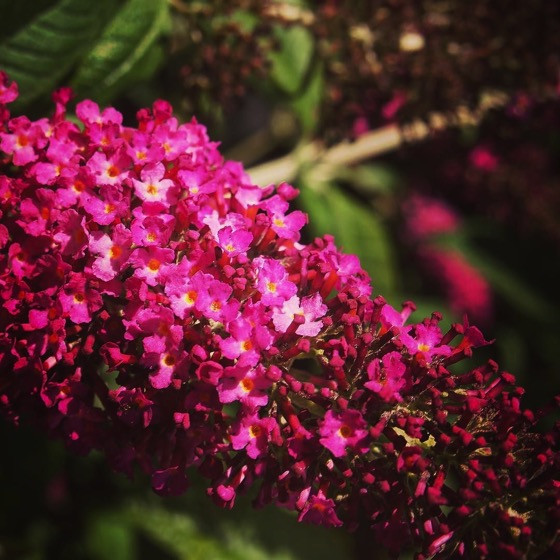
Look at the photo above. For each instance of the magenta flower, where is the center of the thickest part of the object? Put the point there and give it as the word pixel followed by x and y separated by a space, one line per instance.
pixel 110 170
pixel 344 431
pixel 272 282
pixel 387 376
pixel 151 230
pixel 234 242
pixel 246 341
pixel 254 434
pixel 426 342
pixel 112 252
pixel 184 293
pixel 245 385
pixel 8 90
pixel 305 312
pixel 106 208
pixel 153 187
pixel 78 300
pixel 71 234
pixel 150 262
pixel 319 510
pixel 484 158
pixel 24 140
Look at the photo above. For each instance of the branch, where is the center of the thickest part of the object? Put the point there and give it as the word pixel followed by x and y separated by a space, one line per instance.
pixel 370 144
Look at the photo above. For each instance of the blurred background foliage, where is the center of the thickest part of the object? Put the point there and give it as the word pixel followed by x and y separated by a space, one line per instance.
pixel 423 135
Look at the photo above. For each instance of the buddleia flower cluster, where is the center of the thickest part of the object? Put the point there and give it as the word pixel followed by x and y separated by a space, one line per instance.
pixel 158 306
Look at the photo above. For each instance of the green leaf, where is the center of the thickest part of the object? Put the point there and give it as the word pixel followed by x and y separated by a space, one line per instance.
pixel 357 230
pixel 16 15
pixel 123 49
pixel 179 534
pixel 307 105
pixel 372 178
pixel 110 537
pixel 291 62
pixel 44 51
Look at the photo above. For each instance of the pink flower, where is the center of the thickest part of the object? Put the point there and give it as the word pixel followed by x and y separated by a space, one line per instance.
pixel 426 217
pixel 426 341
pixel 153 187
pixel 286 226
pixel 154 230
pixel 214 301
pixel 307 311
pixel 107 207
pixel 247 339
pixel 320 510
pixel 149 263
pixel 78 300
pixel 88 112
pixel 164 365
pixel 71 233
pixel 387 376
pixel 8 91
pixel 253 434
pixel 234 242
pixel 465 288
pixel 483 158
pixel 38 213
pixel 237 350
pixel 246 385
pixel 110 170
pixel 184 293
pixel 24 140
pixel 343 431
pixel 113 252
pixel 272 282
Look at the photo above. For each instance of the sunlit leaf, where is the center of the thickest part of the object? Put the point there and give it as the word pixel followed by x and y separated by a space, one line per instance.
pixel 291 62
pixel 180 535
pixel 371 178
pixel 43 51
pixel 109 537
pixel 124 45
pixel 307 104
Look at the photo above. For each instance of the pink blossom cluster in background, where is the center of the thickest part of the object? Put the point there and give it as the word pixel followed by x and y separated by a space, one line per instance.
pixel 427 219
pixel 159 307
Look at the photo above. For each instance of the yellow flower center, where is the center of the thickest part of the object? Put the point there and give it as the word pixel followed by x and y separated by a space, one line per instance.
pixel 247 385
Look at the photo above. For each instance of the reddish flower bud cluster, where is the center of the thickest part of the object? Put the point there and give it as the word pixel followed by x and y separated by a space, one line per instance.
pixel 158 306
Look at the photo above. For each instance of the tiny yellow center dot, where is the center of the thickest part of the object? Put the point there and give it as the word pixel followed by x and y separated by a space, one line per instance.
pixel 255 431
pixel 169 360
pixel 345 431
pixel 247 385
pixel 190 297
pixel 115 252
